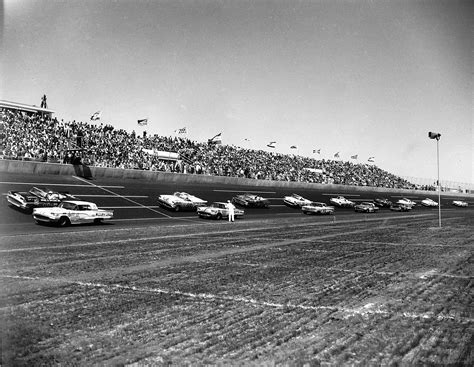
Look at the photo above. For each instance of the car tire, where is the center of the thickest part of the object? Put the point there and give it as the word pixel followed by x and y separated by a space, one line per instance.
pixel 64 222
pixel 98 221
pixel 177 208
pixel 219 216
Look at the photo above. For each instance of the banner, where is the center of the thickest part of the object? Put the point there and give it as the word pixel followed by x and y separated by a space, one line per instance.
pixel 96 116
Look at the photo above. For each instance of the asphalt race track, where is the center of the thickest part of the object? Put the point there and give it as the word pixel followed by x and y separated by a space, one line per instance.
pixel 135 201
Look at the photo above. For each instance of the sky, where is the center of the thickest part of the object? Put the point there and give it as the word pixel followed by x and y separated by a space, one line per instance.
pixel 354 77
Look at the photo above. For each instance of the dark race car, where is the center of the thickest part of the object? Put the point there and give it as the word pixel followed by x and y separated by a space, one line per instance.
pixel 382 202
pixel 366 207
pixel 36 198
pixel 400 207
pixel 251 201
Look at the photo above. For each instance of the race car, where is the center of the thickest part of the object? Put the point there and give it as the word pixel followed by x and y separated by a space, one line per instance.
pixel 36 198
pixel 382 202
pixel 71 212
pixel 296 201
pixel 175 203
pixel 251 201
pixel 400 207
pixel 193 199
pixel 342 202
pixel 366 207
pixel 429 202
pixel 460 203
pixel 317 208
pixel 406 201
pixel 218 210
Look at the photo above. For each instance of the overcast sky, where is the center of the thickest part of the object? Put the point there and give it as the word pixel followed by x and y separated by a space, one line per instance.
pixel 356 77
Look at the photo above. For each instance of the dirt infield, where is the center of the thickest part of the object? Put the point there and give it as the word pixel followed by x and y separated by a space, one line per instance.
pixel 291 292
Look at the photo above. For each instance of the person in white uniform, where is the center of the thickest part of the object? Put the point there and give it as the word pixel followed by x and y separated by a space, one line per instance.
pixel 231 208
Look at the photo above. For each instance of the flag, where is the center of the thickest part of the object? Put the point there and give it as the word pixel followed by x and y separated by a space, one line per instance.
pixel 371 159
pixel 96 116
pixel 216 139
pixel 143 122
pixel 181 131
pixel 271 144
pixel 336 155
pixel 354 156
pixel 317 151
pixel 293 147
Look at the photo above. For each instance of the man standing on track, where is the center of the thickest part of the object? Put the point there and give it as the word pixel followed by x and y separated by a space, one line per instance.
pixel 231 208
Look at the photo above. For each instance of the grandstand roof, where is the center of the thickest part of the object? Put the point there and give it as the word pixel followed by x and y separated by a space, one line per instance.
pixel 25 107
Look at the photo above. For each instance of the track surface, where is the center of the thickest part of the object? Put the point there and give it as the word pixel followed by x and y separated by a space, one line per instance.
pixel 277 287
pixel 135 201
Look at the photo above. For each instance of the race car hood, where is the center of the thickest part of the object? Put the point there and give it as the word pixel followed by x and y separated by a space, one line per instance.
pixel 49 210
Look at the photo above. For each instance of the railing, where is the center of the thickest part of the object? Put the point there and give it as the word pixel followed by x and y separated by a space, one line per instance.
pixel 446 185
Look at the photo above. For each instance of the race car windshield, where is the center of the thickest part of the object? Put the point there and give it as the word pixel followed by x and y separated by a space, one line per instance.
pixel 67 205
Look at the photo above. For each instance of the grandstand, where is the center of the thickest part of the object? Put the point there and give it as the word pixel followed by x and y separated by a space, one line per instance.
pixel 32 133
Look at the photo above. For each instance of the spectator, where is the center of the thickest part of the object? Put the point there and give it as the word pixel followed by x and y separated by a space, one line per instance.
pixel 47 139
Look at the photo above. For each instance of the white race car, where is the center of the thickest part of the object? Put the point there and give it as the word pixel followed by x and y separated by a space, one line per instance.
pixel 72 212
pixel 341 201
pixel 193 199
pixel 218 210
pixel 175 203
pixel 406 201
pixel 317 208
pixel 429 202
pixel 296 201
pixel 460 203
pixel 36 198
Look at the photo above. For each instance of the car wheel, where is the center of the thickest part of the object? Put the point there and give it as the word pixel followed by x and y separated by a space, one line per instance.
pixel 177 208
pixel 64 222
pixel 219 216
pixel 98 221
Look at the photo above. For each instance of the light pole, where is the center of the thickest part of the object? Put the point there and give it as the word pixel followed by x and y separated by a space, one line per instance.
pixel 437 136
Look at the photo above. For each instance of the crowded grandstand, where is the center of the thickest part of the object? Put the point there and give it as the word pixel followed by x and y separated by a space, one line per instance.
pixel 37 135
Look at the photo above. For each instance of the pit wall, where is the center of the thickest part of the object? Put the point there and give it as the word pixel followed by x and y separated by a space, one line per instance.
pixel 41 168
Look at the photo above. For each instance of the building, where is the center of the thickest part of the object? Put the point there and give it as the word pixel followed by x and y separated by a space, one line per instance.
pixel 27 109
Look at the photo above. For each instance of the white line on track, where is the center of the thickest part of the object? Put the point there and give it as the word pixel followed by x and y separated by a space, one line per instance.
pixel 42 184
pixel 365 310
pixel 128 207
pixel 216 232
pixel 111 196
pixel 398 244
pixel 340 194
pixel 285 214
pixel 208 222
pixel 253 192
pixel 123 197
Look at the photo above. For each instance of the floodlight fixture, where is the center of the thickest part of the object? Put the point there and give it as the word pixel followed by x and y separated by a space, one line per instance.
pixel 433 135
pixel 437 136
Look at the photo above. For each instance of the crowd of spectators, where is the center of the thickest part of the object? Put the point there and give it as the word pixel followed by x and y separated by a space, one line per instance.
pixel 36 137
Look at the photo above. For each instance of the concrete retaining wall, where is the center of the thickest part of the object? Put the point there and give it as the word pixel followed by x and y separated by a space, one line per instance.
pixel 41 168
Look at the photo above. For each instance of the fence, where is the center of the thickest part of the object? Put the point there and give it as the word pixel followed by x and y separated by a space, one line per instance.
pixel 446 185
